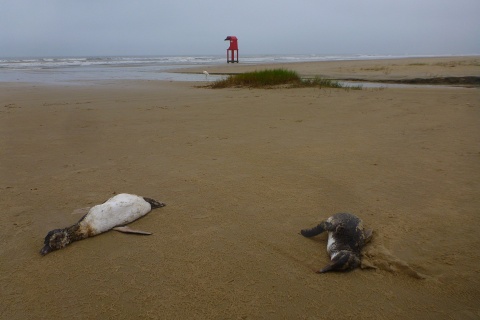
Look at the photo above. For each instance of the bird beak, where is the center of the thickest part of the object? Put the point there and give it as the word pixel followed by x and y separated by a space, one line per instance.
pixel 46 249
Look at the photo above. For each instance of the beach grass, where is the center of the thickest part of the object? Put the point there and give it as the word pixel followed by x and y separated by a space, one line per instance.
pixel 319 82
pixel 275 77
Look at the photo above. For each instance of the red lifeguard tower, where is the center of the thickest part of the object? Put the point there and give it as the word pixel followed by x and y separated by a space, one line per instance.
pixel 232 49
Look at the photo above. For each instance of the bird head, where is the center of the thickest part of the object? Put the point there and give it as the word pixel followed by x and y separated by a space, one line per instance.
pixel 55 239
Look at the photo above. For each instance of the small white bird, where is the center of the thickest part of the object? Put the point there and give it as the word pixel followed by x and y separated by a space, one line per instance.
pixel 206 74
pixel 114 213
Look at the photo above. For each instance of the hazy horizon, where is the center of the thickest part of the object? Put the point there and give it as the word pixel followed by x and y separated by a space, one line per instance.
pixel 164 28
pixel 314 57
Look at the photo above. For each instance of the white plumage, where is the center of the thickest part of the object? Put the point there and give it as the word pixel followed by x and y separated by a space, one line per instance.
pixel 116 211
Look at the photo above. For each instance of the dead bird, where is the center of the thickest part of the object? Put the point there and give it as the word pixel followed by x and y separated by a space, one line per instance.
pixel 346 238
pixel 114 213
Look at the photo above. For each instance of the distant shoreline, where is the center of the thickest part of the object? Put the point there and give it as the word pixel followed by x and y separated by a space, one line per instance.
pixel 457 71
pixel 449 70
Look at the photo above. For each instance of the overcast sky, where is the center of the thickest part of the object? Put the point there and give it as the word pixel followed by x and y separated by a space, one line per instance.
pixel 198 27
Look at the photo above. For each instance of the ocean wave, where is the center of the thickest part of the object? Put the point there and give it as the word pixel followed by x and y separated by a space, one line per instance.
pixel 117 61
pixel 62 62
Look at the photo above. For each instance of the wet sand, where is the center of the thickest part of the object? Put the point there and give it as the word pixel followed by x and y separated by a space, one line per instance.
pixel 365 70
pixel 242 171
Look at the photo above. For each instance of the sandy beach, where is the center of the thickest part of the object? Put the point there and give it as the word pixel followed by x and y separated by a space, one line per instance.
pixel 242 172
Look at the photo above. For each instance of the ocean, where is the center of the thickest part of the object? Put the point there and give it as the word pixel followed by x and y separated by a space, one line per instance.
pixel 78 70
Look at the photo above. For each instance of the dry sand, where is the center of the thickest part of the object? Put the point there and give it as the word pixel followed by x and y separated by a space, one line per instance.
pixel 242 171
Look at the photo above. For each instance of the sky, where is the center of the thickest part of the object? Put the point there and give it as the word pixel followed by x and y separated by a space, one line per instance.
pixel 37 28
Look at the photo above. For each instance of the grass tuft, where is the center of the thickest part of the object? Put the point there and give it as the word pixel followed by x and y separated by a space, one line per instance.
pixel 275 77
pixel 259 79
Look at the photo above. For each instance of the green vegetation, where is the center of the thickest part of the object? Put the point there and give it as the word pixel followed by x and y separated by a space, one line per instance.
pixel 275 77
pixel 259 79
pixel 320 82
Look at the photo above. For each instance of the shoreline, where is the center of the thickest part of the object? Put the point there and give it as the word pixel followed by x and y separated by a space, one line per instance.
pixel 156 69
